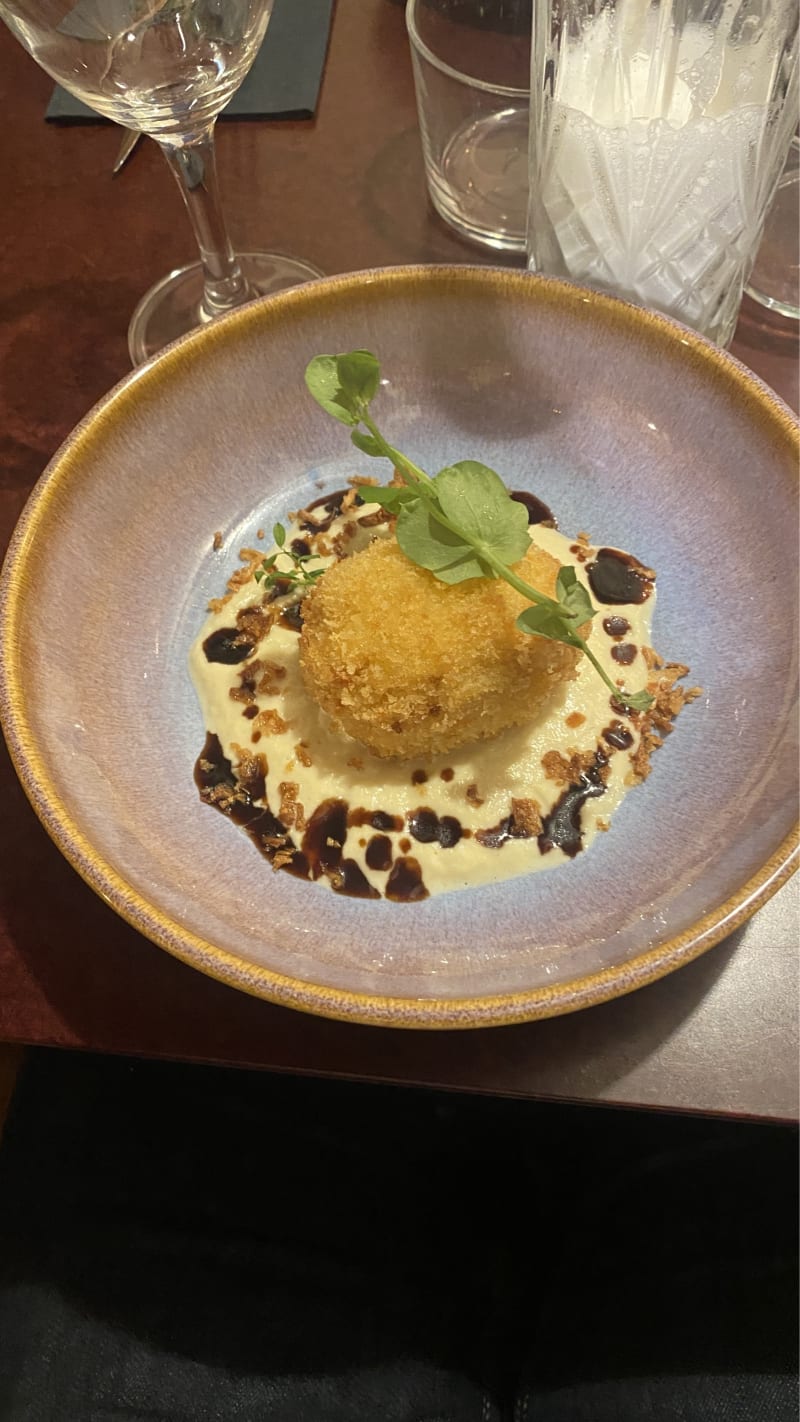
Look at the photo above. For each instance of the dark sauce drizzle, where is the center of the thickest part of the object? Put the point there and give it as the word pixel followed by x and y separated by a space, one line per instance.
pixel 323 843
pixel 616 626
pixel 212 770
pixel 404 884
pixel 501 833
pixel 323 840
pixel 426 827
pixel 353 883
pixel 332 505
pixel 615 576
pixel 324 837
pixel 618 736
pixel 228 645
pixel 292 616
pixel 376 819
pixel 561 829
pixel 379 852
pixel 624 653
pixel 538 512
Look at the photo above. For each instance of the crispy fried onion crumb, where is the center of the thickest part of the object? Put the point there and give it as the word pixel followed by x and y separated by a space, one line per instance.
pixel 343 538
pixel 657 723
pixel 255 622
pixel 259 675
pixel 473 797
pixel 251 771
pixel 224 795
pixel 303 753
pixel 375 519
pixel 271 674
pixel 270 723
pixel 568 769
pixel 251 559
pixel 527 817
pixel 291 811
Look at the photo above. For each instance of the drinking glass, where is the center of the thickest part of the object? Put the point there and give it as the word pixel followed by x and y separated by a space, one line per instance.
pixel 471 65
pixel 658 135
pixel 775 278
pixel 166 68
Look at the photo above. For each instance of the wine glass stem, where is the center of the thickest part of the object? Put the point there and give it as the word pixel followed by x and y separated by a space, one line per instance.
pixel 195 170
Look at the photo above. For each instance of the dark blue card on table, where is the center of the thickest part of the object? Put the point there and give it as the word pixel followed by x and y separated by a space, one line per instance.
pixel 284 81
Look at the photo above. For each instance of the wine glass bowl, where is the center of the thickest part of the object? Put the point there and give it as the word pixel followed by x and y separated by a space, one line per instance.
pixel 166 68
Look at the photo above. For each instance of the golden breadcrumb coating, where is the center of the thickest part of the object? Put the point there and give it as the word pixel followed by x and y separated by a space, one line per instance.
pixel 413 667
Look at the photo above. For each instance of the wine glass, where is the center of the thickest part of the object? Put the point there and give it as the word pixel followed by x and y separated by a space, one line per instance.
pixel 166 68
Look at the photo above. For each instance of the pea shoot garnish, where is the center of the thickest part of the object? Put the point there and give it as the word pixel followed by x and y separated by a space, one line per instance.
pixel 460 524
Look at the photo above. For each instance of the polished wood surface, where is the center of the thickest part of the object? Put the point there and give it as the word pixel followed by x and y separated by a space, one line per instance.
pixel 345 191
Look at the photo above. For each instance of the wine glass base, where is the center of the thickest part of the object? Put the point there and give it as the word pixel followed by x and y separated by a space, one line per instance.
pixel 173 306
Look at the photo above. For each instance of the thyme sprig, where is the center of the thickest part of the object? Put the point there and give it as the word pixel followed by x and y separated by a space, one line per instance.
pixel 297 574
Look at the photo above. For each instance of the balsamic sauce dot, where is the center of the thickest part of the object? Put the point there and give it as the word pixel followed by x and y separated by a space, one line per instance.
pixel 228 645
pixel 538 512
pixel 615 576
pixel 616 626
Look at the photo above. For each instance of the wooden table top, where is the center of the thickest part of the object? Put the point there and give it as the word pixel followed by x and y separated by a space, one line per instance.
pixel 346 191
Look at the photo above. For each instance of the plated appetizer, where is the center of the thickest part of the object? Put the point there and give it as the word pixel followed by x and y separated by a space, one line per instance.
pixel 425 686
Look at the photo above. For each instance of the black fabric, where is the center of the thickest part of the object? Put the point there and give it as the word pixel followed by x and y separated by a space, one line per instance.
pixel 181 1244
pixel 679 1282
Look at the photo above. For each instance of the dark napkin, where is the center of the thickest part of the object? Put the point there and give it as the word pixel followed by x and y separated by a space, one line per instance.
pixel 284 81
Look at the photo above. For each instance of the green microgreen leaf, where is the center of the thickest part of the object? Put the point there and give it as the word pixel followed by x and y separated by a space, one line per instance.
pixel 462 570
pixel 545 622
pixel 359 376
pixel 389 496
pixel 322 379
pixel 573 596
pixel 635 700
pixel 367 443
pixel 279 534
pixel 462 524
pixel 428 543
pixel 475 498
pixel 344 384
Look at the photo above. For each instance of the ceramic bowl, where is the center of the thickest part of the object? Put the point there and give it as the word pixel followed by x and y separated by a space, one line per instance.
pixel 624 423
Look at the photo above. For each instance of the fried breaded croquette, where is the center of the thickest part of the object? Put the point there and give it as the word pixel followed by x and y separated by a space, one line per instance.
pixel 411 666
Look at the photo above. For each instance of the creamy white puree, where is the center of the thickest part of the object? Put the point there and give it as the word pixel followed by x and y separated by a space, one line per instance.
pixel 507 767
